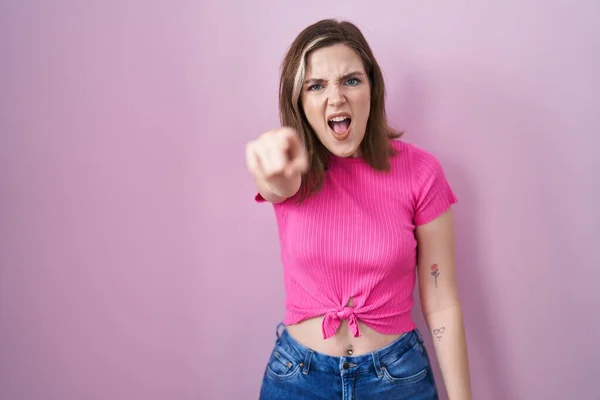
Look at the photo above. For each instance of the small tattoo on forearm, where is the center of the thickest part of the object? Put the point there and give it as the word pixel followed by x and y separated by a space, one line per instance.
pixel 439 332
pixel 435 272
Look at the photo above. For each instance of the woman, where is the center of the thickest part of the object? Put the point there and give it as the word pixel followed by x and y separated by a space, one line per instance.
pixel 358 210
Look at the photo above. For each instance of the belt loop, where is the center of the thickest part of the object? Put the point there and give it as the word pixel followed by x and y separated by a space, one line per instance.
pixel 307 359
pixel 376 364
pixel 419 335
pixel 277 329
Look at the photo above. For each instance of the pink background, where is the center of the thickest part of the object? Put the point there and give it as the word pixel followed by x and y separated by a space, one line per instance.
pixel 134 263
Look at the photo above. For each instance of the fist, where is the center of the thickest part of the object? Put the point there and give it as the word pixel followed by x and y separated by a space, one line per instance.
pixel 276 154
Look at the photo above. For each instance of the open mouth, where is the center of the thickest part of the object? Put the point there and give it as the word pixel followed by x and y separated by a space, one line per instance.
pixel 340 124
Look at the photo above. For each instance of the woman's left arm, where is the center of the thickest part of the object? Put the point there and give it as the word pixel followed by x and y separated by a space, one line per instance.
pixel 441 304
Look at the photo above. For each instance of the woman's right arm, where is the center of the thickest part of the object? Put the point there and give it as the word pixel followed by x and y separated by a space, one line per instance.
pixel 277 160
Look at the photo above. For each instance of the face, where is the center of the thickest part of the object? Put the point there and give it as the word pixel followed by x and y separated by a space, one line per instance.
pixel 336 98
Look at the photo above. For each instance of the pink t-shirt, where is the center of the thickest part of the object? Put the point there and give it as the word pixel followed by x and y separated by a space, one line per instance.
pixel 355 239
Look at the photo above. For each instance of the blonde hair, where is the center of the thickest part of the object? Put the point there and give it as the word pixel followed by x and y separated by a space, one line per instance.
pixel 301 71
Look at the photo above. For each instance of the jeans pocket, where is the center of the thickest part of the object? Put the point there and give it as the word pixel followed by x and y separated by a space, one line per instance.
pixel 281 365
pixel 412 366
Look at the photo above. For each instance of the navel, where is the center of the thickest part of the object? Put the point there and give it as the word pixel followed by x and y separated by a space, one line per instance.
pixel 350 350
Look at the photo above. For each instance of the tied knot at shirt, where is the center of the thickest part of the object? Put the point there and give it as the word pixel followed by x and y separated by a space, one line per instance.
pixel 333 319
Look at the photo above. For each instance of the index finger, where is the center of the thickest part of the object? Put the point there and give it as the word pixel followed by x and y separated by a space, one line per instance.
pixel 298 156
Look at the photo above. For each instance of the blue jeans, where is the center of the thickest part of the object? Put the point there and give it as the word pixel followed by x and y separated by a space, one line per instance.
pixel 401 370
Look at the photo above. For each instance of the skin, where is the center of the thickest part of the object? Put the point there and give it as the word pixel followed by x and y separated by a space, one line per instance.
pixel 277 160
pixel 440 303
pixel 336 82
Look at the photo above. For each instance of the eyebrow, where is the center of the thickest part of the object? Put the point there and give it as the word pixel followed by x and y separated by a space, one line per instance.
pixel 347 76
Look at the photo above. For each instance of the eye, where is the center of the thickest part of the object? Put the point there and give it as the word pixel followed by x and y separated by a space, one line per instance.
pixel 314 87
pixel 353 81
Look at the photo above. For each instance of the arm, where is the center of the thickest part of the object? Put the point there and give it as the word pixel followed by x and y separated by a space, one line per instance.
pixel 287 188
pixel 277 160
pixel 441 305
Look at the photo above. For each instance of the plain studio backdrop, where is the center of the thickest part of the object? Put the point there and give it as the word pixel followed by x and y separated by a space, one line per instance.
pixel 134 263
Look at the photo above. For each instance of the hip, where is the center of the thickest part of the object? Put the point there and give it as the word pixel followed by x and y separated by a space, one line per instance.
pixel 400 370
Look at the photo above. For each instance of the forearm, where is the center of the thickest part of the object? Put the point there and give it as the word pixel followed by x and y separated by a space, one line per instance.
pixel 279 190
pixel 447 329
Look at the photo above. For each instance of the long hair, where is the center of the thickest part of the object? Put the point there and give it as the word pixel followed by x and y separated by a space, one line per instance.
pixel 375 147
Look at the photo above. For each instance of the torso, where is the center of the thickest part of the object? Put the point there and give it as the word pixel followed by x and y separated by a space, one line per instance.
pixel 308 333
pixel 353 244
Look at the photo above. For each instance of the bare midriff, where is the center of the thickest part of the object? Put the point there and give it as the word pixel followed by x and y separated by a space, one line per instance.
pixel 343 343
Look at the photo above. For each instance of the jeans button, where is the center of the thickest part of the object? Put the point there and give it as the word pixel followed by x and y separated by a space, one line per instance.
pixel 346 365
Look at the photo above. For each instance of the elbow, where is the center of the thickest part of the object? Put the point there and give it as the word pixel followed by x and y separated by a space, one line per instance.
pixel 441 306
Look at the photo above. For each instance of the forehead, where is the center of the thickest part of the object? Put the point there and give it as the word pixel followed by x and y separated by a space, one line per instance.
pixel 332 61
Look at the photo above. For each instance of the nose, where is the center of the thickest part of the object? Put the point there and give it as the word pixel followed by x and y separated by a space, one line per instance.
pixel 336 96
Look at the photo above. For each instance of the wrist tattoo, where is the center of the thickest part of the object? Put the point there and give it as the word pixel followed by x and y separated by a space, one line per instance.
pixel 435 272
pixel 439 332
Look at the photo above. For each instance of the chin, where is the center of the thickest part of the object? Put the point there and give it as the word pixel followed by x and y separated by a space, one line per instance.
pixel 341 150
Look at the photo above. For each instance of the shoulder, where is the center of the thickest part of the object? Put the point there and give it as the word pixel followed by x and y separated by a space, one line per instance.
pixel 431 190
pixel 416 157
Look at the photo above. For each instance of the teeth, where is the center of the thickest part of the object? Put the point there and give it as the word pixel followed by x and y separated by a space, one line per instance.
pixel 338 119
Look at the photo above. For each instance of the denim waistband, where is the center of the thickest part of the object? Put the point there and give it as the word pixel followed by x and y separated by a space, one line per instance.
pixel 364 363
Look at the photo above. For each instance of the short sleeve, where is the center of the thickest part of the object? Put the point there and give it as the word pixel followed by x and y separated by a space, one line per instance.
pixel 259 198
pixel 432 192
